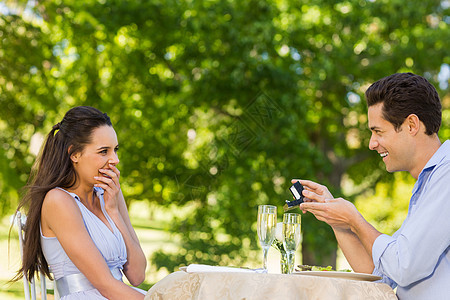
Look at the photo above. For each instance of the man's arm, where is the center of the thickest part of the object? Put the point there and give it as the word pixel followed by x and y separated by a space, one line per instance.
pixel 354 234
pixel 423 240
pixel 354 251
pixel 366 233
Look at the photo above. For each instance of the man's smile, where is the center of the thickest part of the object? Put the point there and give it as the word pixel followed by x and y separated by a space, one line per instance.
pixel 384 154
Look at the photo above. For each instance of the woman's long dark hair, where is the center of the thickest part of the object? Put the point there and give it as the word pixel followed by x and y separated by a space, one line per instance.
pixel 53 168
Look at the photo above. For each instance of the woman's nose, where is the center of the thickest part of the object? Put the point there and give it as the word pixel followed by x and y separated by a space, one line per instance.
pixel 114 159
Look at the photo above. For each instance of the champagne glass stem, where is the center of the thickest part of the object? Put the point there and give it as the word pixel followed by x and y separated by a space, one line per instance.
pixel 290 261
pixel 265 251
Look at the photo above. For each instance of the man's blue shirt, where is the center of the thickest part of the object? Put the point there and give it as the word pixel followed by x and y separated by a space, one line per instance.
pixel 416 258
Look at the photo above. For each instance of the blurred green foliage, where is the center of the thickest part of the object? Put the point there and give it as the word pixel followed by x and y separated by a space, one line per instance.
pixel 217 104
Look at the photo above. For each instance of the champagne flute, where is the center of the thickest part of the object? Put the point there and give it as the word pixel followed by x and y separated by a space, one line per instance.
pixel 267 223
pixel 291 237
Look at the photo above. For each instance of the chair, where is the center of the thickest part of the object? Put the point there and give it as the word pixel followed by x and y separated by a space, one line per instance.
pixel 30 287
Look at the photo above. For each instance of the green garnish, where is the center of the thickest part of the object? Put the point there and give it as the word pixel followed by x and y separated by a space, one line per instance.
pixel 319 268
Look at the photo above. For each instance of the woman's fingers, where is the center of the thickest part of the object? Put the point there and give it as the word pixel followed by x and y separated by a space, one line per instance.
pixel 115 170
pixel 111 190
pixel 113 174
pixel 106 184
pixel 110 181
pixel 105 180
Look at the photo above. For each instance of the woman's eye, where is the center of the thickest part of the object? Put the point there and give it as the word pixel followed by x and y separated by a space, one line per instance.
pixel 104 151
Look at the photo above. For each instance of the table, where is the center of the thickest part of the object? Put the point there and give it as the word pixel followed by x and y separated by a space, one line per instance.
pixel 253 286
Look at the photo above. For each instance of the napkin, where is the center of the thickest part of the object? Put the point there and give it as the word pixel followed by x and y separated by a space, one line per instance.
pixel 206 268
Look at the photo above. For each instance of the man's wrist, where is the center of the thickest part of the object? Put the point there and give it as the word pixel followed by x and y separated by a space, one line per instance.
pixel 357 223
pixel 341 230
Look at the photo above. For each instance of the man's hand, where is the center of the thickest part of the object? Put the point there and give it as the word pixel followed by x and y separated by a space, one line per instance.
pixel 354 234
pixel 338 213
pixel 313 192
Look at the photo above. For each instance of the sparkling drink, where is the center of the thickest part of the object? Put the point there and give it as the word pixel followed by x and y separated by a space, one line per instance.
pixel 266 226
pixel 291 236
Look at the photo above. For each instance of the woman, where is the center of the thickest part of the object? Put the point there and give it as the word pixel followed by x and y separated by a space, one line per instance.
pixel 78 226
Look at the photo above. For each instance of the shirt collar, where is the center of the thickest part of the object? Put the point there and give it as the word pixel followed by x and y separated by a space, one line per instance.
pixel 440 154
pixel 437 157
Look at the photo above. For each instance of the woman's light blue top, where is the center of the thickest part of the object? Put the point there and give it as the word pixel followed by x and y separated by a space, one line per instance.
pixel 110 244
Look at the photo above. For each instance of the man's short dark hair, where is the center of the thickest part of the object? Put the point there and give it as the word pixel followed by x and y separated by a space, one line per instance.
pixel 403 94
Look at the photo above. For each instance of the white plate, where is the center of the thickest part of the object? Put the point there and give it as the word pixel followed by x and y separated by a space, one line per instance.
pixel 343 275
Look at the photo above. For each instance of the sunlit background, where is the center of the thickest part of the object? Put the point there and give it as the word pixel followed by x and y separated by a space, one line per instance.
pixel 217 105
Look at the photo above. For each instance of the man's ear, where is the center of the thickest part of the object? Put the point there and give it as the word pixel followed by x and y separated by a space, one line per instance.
pixel 74 157
pixel 413 124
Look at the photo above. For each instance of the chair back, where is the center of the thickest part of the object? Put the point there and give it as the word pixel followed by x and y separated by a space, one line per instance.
pixel 29 287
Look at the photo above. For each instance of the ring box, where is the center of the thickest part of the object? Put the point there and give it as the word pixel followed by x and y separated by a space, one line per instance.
pixel 296 190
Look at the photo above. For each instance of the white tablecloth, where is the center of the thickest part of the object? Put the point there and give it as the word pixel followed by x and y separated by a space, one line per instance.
pixel 256 286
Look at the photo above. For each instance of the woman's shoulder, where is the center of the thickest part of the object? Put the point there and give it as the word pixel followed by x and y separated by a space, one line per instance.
pixel 57 193
pixel 57 198
pixel 59 209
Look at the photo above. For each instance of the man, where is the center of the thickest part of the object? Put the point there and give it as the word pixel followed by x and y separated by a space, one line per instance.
pixel 404 115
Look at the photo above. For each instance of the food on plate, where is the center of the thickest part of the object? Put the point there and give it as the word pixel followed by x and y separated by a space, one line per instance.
pixel 318 268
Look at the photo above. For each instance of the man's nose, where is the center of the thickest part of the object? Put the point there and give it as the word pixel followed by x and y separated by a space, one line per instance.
pixel 373 143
